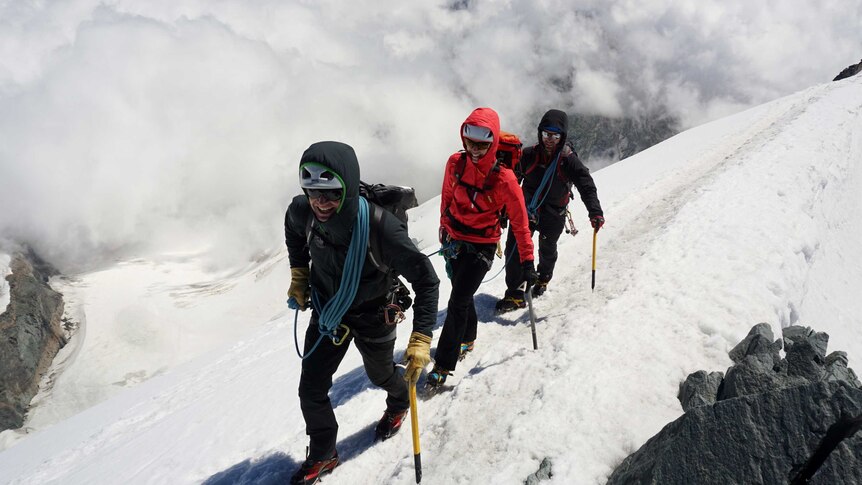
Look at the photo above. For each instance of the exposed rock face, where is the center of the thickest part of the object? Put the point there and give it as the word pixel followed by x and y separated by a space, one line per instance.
pixel 768 420
pixel 31 334
pixel 600 140
pixel 851 70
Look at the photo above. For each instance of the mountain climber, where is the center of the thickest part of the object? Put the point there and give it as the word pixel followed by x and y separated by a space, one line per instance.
pixel 547 207
pixel 475 191
pixel 324 226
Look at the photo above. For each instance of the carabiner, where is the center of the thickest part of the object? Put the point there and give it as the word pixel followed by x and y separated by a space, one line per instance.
pixel 570 224
pixel 338 341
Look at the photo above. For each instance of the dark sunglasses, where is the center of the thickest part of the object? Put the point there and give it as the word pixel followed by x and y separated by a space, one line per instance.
pixel 333 195
pixel 481 145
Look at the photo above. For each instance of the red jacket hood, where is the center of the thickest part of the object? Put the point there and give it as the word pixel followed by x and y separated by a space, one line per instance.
pixel 487 118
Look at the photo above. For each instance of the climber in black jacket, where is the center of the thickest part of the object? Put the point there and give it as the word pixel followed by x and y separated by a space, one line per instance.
pixel 547 209
pixel 318 228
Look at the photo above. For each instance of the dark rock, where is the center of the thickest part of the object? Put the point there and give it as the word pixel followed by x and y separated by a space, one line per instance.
pixel 757 357
pixel 545 472
pixel 31 334
pixel 753 375
pixel 699 389
pixel 759 341
pixel 793 421
pixel 836 369
pixel 848 71
pixel 766 438
pixel 806 352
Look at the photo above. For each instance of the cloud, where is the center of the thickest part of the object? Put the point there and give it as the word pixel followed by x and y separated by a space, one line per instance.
pixel 130 126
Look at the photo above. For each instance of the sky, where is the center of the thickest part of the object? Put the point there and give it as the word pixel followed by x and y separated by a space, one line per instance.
pixel 133 128
pixel 182 376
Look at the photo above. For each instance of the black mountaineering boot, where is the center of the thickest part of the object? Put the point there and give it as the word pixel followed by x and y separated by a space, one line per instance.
pixel 311 470
pixel 389 424
pixel 513 300
pixel 541 285
pixel 436 378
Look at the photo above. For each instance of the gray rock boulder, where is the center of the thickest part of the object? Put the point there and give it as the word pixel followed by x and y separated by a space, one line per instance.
pixel 700 389
pixel 770 420
pixel 31 334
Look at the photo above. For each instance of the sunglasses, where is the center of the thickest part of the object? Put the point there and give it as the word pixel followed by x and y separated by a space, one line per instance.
pixel 551 136
pixel 332 195
pixel 478 144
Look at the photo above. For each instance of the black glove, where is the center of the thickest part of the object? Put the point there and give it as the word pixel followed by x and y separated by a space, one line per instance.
pixel 597 222
pixel 529 274
pixel 534 221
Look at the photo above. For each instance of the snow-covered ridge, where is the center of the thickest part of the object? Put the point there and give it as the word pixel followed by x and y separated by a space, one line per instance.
pixel 746 219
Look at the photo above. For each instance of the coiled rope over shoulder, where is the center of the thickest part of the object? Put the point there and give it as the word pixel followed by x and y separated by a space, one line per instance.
pixel 333 311
pixel 535 203
pixel 533 206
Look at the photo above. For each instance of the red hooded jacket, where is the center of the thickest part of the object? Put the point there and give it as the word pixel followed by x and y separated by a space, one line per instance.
pixel 481 213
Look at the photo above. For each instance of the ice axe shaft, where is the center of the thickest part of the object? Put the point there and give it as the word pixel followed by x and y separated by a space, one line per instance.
pixel 593 284
pixel 414 423
pixel 528 295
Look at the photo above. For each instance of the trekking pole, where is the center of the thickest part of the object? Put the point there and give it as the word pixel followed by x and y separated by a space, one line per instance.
pixel 593 285
pixel 528 295
pixel 414 422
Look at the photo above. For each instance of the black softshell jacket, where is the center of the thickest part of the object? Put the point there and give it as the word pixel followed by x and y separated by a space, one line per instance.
pixel 327 249
pixel 570 169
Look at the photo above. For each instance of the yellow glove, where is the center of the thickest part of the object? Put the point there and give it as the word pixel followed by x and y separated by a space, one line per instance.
pixel 418 355
pixel 298 293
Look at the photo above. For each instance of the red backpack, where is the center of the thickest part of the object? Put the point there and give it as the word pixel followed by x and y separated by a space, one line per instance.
pixel 509 149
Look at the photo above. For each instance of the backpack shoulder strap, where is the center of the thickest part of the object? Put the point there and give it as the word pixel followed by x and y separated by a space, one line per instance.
pixel 375 238
pixel 308 228
pixel 528 163
pixel 459 167
pixel 492 176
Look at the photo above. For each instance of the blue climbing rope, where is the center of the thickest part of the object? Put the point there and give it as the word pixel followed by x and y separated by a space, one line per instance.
pixel 535 203
pixel 333 311
pixel 533 206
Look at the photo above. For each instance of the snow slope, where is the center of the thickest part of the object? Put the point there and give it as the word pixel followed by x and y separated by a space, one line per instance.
pixel 746 219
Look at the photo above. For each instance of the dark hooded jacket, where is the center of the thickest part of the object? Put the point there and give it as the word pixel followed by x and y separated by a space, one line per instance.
pixel 330 240
pixel 570 170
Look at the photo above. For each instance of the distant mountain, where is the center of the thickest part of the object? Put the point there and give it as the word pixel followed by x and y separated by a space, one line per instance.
pixel 848 71
pixel 602 141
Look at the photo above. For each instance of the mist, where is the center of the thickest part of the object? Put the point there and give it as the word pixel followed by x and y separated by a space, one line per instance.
pixel 133 128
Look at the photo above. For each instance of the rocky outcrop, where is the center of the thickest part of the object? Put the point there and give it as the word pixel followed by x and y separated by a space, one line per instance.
pixel 851 70
pixel 31 334
pixel 766 420
pixel 601 140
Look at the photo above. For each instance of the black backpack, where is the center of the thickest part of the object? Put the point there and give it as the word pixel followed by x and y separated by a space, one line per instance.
pixel 392 198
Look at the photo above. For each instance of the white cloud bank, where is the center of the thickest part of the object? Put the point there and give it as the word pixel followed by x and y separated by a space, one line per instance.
pixel 130 126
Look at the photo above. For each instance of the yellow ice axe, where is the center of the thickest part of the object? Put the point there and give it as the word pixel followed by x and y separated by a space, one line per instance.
pixel 414 422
